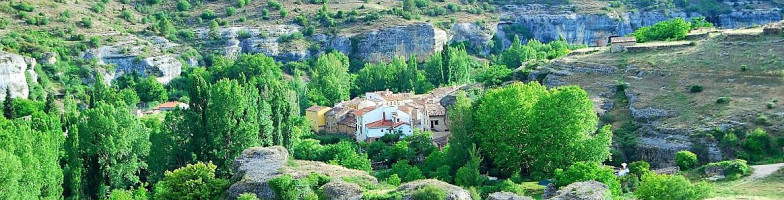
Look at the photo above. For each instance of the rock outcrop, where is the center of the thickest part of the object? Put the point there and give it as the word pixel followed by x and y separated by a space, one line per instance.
pixel 236 40
pixel 506 196
pixel 137 55
pixel 13 76
pixel 258 165
pixel 452 192
pixel 342 190
pixel 548 23
pixel 589 190
pixel 478 36
pixel 419 39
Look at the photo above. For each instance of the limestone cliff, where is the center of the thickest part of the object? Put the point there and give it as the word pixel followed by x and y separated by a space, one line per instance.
pixel 143 56
pixel 419 39
pixel 13 74
pixel 547 23
pixel 233 41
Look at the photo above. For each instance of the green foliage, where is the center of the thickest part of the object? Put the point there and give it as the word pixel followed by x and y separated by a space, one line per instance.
pixel 98 7
pixel 517 54
pixel 9 111
pixel 586 171
pixel 654 187
pixel 429 193
pixel 639 167
pixel 286 187
pixel 674 29
pixel 207 14
pixel 733 169
pixel 87 22
pixel 275 5
pixel 397 76
pixel 462 139
pixel 231 11
pixel 343 153
pixel 700 22
pixel 196 181
pixel 30 157
pixel 695 88
pixel 452 66
pixel 393 179
pixel 138 194
pixel 723 100
pixel 758 144
pixel 183 5
pixel 248 196
pixel 686 160
pixel 525 126
pixel 468 175
pixel 493 75
pixel 330 80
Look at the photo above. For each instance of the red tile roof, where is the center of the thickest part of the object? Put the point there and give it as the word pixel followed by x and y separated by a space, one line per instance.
pixel 171 104
pixel 385 124
pixel 316 108
pixel 361 112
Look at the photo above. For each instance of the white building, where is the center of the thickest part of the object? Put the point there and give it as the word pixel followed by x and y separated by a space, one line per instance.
pixel 376 121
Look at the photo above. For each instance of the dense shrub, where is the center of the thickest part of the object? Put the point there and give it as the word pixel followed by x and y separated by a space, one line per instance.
pixel 195 181
pixel 695 88
pixel 733 169
pixel 700 22
pixel 286 187
pixel 674 29
pixel 429 193
pixel 586 171
pixel 758 144
pixel 723 100
pixel 639 167
pixel 275 5
pixel 183 5
pixel 656 187
pixel 686 160
pixel 231 11
pixel 208 14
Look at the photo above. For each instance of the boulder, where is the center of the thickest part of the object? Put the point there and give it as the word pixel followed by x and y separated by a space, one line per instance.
pixel 506 196
pixel 257 165
pixel 342 190
pixel 12 75
pixel 453 192
pixel 48 58
pixel 588 190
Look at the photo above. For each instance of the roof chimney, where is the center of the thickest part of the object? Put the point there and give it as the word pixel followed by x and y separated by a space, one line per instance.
pixel 383 117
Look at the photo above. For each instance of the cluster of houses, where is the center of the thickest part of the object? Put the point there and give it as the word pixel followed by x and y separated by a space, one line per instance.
pixel 379 113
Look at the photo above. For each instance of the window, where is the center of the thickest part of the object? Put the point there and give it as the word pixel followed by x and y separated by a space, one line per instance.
pixel 435 122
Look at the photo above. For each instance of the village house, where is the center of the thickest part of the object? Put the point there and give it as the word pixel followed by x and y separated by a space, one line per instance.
pixel 379 113
pixel 619 44
pixel 316 115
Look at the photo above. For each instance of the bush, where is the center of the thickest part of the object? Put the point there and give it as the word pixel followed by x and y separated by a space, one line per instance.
pixel 686 160
pixel 695 88
pixel 733 169
pixel 639 167
pixel 248 196
pixel 231 11
pixel 24 6
pixel 723 100
pixel 656 187
pixel 770 105
pixel 195 181
pixel 275 5
pixel 183 5
pixel 286 187
pixel 674 29
pixel 758 143
pixel 586 171
pixel 208 14
pixel 429 193
pixel 393 179
pixel 87 22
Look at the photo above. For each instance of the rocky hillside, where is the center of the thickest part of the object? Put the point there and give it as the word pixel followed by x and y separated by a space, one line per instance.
pixel 675 94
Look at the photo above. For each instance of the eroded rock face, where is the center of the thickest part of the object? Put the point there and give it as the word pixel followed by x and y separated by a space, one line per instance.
pixel 453 192
pixel 506 196
pixel 341 190
pixel 589 190
pixel 419 39
pixel 547 23
pixel 234 41
pixel 257 165
pixel 144 57
pixel 478 37
pixel 12 75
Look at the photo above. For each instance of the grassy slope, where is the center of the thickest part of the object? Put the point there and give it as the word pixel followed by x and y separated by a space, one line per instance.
pixel 715 64
pixel 771 187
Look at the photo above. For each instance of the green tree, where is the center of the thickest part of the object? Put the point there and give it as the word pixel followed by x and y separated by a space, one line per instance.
pixel 120 194
pixel 525 126
pixel 434 70
pixel 330 80
pixel 192 182
pixel 468 175
pixel 150 90
pixel 231 123
pixel 674 29
pixel 114 146
pixel 429 192
pixel 462 139
pixel 493 75
pixel 8 105
pixel 183 5
pixel 686 160
pixel 758 143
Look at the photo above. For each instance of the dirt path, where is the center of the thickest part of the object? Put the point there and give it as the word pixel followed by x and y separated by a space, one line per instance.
pixel 762 171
